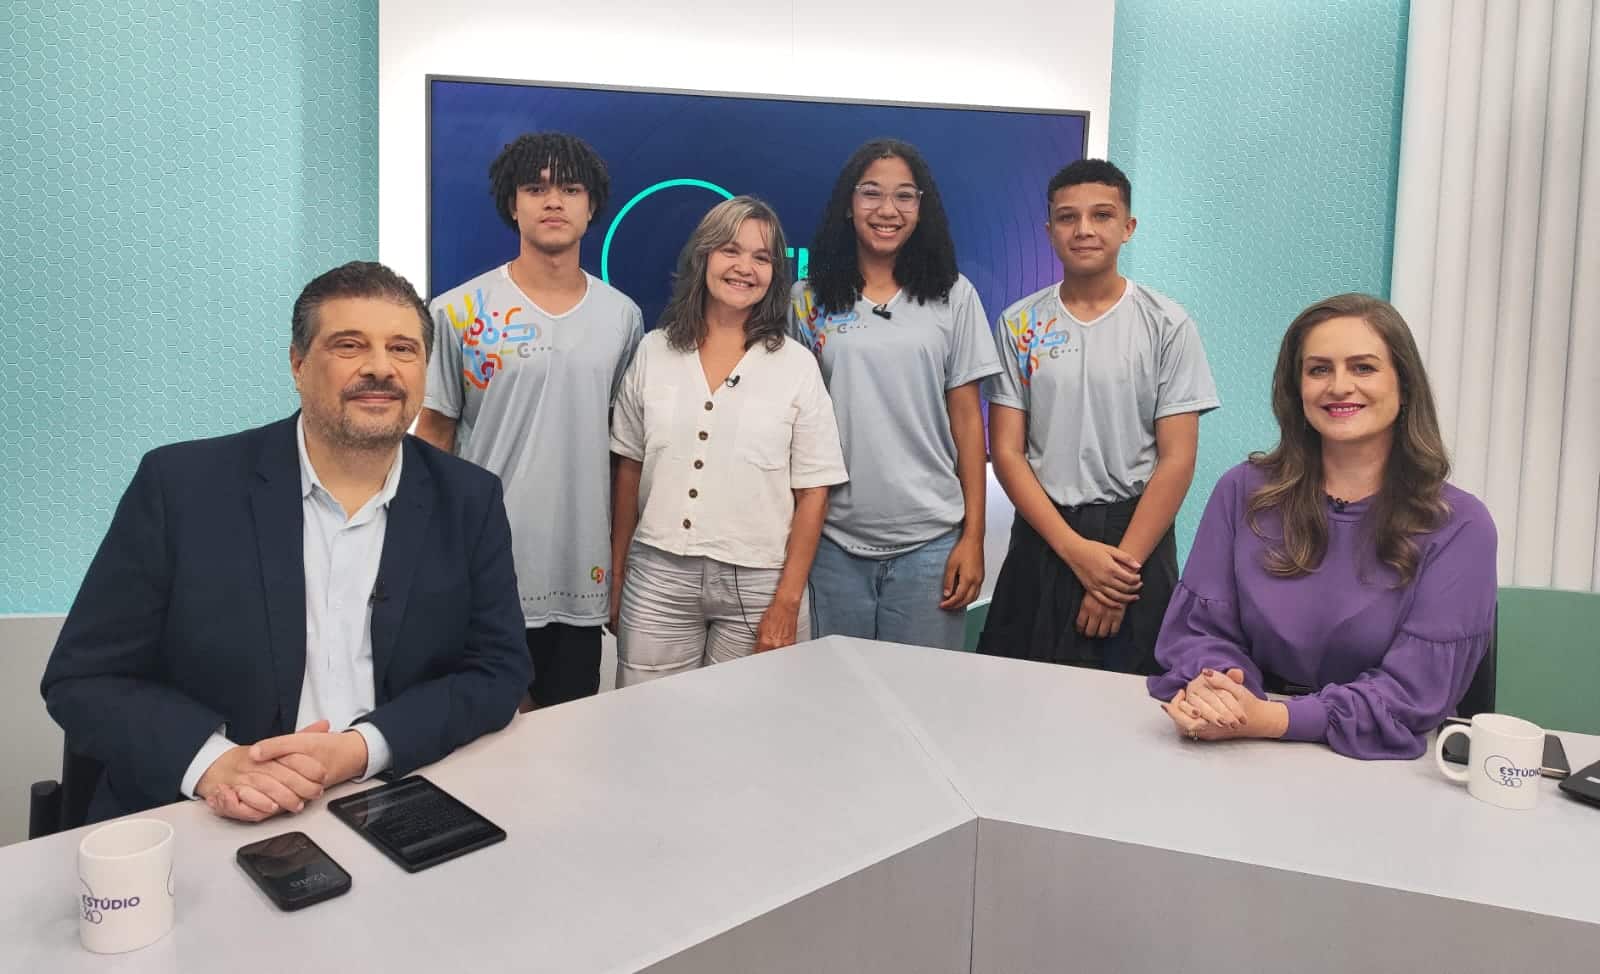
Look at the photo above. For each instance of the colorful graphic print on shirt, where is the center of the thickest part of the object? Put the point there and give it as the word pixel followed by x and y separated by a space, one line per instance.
pixel 491 339
pixel 1032 339
pixel 815 333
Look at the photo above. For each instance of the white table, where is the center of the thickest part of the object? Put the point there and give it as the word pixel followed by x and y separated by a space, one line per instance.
pixel 855 806
pixel 640 824
pixel 1108 843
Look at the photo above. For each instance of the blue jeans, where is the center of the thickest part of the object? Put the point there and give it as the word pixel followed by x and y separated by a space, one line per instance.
pixel 893 599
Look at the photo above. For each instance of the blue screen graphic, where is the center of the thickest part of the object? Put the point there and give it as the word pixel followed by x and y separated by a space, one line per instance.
pixel 673 156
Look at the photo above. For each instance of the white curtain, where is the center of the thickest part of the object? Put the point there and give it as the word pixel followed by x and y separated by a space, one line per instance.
pixel 1497 265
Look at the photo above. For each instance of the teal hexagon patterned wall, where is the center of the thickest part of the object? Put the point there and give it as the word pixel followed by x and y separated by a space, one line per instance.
pixel 1263 143
pixel 173 173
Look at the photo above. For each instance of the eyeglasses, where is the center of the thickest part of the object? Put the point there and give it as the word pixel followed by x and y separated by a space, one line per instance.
pixel 906 199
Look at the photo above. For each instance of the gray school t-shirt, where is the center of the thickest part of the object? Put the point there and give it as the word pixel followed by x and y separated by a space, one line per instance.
pixel 1093 391
pixel 532 394
pixel 888 378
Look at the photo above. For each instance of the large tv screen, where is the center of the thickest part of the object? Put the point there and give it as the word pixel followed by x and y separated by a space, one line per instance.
pixel 673 155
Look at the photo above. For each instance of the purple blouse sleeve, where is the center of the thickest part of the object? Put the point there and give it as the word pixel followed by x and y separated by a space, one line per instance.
pixel 1387 711
pixel 1201 629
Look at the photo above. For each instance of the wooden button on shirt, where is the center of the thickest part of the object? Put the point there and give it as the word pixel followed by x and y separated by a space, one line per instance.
pixel 728 496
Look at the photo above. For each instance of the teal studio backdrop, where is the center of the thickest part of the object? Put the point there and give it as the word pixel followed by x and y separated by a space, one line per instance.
pixel 1263 143
pixel 174 172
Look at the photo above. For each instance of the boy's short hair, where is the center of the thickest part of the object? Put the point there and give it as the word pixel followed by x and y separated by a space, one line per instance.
pixel 1091 171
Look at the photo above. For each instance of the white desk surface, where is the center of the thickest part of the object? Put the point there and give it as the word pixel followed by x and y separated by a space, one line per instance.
pixel 1091 753
pixel 646 821
pixel 640 823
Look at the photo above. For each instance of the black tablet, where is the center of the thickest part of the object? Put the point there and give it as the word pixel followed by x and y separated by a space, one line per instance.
pixel 415 822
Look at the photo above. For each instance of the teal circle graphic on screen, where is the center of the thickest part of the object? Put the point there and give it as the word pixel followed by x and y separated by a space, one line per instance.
pixel 611 231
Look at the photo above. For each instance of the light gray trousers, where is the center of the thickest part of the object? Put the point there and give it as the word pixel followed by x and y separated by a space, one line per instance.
pixel 681 613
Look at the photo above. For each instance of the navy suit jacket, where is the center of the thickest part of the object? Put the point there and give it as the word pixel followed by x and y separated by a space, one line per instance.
pixel 193 614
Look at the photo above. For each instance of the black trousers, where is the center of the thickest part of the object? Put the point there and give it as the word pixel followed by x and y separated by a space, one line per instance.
pixel 566 663
pixel 1037 597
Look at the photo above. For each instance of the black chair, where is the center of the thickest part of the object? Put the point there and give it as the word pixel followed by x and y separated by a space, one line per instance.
pixel 56 806
pixel 1479 698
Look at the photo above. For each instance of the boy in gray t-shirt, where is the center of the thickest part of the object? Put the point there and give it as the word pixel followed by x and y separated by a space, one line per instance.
pixel 528 361
pixel 1093 427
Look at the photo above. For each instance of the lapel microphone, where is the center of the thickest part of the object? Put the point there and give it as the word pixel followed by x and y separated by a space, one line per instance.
pixel 731 381
pixel 882 311
pixel 377 593
pixel 1337 502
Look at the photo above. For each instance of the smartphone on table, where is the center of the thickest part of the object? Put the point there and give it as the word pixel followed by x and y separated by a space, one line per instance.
pixel 293 871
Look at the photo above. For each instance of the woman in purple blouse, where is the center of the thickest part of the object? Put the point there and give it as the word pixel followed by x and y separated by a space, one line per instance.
pixel 1340 565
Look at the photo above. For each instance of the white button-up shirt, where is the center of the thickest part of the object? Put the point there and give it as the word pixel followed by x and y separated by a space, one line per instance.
pixel 720 465
pixel 341 569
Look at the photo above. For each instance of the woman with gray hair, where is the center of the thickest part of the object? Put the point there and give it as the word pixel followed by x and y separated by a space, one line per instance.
pixel 726 446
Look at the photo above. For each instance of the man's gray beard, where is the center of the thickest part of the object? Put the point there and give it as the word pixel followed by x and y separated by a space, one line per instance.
pixel 346 435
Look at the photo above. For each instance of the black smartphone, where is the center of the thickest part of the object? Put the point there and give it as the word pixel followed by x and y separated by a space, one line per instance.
pixel 1554 764
pixel 293 871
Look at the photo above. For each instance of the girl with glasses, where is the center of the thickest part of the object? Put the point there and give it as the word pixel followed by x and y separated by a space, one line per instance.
pixel 903 344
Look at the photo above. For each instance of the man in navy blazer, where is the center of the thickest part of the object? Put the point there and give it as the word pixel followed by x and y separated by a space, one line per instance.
pixel 319 599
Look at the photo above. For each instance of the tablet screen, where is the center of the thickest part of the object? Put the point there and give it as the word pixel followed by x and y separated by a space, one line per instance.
pixel 415 822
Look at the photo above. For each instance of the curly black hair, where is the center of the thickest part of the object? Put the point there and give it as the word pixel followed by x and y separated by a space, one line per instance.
pixel 1091 171
pixel 569 159
pixel 925 267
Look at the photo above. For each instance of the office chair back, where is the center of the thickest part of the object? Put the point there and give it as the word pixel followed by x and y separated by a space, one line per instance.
pixel 1480 695
pixel 56 806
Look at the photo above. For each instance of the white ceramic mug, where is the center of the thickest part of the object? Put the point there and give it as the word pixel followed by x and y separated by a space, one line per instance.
pixel 125 891
pixel 1504 758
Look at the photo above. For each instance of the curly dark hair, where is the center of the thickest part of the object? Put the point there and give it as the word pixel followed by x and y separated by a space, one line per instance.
pixel 357 279
pixel 569 159
pixel 1091 171
pixel 684 320
pixel 925 267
